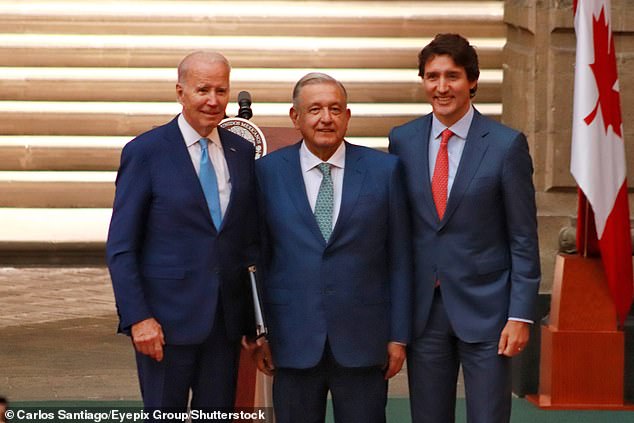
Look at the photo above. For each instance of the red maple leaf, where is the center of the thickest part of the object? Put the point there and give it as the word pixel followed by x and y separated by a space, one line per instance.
pixel 605 74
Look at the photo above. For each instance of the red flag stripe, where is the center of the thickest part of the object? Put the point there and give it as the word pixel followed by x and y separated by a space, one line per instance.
pixel 616 254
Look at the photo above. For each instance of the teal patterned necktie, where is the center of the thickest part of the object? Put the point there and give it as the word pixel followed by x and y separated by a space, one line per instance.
pixel 209 183
pixel 324 203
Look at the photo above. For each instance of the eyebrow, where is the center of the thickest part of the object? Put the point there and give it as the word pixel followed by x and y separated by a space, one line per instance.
pixel 447 72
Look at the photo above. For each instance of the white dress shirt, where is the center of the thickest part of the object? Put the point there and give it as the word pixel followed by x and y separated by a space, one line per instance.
pixel 313 176
pixel 216 155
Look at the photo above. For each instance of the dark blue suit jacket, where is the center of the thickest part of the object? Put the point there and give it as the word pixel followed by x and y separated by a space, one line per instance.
pixel 355 289
pixel 166 258
pixel 484 251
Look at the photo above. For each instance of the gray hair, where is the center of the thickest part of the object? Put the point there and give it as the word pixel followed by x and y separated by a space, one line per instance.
pixel 316 78
pixel 200 55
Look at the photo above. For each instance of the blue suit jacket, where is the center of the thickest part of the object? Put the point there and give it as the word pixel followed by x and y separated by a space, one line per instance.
pixel 166 258
pixel 484 251
pixel 355 289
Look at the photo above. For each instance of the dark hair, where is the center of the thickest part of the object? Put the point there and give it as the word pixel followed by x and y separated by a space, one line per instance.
pixel 458 48
pixel 3 400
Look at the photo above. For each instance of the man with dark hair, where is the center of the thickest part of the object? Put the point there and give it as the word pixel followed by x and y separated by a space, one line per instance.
pixel 476 258
pixel 336 268
pixel 182 223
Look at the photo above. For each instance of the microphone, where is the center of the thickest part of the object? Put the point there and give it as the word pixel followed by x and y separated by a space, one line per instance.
pixel 244 101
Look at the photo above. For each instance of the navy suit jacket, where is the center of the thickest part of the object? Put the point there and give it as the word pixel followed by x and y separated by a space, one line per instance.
pixel 166 258
pixel 484 251
pixel 355 289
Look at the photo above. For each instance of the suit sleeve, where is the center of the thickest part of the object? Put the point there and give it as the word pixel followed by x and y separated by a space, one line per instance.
pixel 391 146
pixel 521 216
pixel 264 249
pixel 400 260
pixel 252 250
pixel 131 205
pixel 252 219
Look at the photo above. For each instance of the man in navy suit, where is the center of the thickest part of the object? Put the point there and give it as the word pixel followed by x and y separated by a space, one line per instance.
pixel 476 258
pixel 179 276
pixel 336 265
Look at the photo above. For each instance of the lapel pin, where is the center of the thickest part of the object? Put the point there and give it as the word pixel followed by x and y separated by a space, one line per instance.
pixel 232 149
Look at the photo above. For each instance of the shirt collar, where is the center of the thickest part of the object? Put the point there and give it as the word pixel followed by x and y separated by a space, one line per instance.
pixel 190 135
pixel 460 128
pixel 308 160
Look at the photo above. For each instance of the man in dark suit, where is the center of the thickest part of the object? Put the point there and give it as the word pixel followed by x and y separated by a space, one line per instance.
pixel 336 265
pixel 476 259
pixel 181 228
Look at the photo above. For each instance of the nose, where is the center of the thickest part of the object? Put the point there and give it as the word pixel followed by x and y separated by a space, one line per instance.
pixel 326 115
pixel 212 98
pixel 443 84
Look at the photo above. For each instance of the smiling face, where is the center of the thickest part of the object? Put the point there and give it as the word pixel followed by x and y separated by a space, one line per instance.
pixel 321 114
pixel 447 88
pixel 203 91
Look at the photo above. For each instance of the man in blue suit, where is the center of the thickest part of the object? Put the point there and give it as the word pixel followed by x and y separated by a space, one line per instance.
pixel 178 245
pixel 476 258
pixel 336 265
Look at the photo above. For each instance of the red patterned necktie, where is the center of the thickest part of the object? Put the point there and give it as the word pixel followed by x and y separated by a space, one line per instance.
pixel 440 179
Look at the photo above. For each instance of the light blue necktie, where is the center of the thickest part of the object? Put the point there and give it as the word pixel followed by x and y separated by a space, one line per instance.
pixel 325 201
pixel 209 183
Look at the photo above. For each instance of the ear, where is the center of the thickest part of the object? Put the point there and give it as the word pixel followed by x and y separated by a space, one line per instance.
pixel 294 115
pixel 179 92
pixel 473 87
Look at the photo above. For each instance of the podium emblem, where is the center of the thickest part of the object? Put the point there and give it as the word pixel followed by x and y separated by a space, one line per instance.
pixel 247 130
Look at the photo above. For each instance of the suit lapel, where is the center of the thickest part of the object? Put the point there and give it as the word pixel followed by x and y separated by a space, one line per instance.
pixel 183 164
pixel 294 181
pixel 421 155
pixel 353 177
pixel 417 154
pixel 472 155
pixel 230 150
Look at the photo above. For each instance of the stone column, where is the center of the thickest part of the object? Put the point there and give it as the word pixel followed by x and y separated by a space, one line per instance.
pixel 537 97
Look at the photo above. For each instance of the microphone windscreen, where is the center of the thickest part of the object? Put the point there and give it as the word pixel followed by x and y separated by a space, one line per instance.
pixel 244 96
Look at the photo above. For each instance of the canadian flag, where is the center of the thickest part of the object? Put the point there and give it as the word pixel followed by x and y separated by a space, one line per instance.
pixel 598 152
